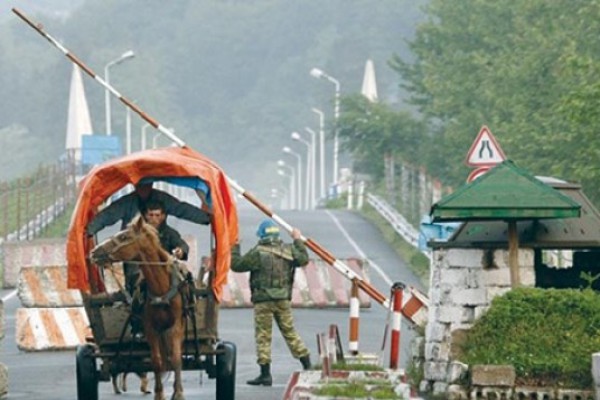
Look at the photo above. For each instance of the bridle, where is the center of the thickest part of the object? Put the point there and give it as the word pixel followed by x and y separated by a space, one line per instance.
pixel 106 258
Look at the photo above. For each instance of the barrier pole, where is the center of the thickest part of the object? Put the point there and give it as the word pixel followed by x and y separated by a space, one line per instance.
pixel 354 319
pixel 397 290
pixel 326 366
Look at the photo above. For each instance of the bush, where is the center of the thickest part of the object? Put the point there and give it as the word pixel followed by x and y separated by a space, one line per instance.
pixel 548 335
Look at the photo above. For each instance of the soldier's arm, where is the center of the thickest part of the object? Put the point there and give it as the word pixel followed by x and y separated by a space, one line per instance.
pixel 181 209
pixel 299 253
pixel 248 262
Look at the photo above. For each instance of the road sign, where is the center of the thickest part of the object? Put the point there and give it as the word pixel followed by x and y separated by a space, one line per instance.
pixel 476 173
pixel 485 150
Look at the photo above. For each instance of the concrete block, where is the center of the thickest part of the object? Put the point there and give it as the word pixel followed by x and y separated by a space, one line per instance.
pixel 527 276
pixel 440 388
pixel 437 351
pixel 454 277
pixel 473 279
pixel 469 297
pixel 440 294
pixel 496 277
pixel 479 311
pixel 424 386
pixel 525 258
pixel 455 314
pixel 493 375
pixel 3 380
pixel 457 392
pixel 435 371
pixel 596 373
pixel 456 369
pixel 436 331
pixel 495 291
pixel 464 258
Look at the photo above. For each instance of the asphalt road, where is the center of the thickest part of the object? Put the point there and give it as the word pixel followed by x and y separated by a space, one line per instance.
pixel 51 375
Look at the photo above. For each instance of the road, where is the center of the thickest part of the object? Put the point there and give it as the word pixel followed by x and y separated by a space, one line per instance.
pixel 51 375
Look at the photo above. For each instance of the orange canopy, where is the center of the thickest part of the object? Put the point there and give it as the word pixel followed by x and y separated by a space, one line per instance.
pixel 105 179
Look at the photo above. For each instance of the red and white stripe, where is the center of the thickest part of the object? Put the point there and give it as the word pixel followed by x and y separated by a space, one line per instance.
pixel 41 329
pixel 354 319
pixel 397 290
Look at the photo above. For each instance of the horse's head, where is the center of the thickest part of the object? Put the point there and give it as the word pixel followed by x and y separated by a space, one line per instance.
pixel 127 245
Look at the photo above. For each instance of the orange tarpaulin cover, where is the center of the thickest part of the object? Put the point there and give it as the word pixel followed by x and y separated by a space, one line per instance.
pixel 104 180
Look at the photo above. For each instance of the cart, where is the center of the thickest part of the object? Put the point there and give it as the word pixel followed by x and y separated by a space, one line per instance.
pixel 113 349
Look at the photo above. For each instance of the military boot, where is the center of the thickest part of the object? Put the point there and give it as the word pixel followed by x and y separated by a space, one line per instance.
pixel 305 360
pixel 264 378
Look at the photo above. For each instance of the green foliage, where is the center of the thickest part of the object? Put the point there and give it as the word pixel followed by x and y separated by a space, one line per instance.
pixel 417 262
pixel 547 335
pixel 232 78
pixel 527 68
pixel 355 367
pixel 357 390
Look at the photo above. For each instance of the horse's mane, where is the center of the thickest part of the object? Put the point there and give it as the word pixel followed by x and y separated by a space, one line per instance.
pixel 149 232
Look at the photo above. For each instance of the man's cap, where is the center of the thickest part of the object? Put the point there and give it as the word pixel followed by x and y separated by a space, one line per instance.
pixel 267 228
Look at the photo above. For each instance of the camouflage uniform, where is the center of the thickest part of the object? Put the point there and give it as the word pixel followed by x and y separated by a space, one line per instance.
pixel 272 265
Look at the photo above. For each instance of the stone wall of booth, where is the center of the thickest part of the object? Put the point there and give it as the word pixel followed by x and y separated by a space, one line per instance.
pixel 463 283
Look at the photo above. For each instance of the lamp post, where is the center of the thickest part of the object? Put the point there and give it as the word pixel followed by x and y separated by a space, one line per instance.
pixel 313 157
pixel 292 177
pixel 143 143
pixel 321 151
pixel 298 174
pixel 296 136
pixel 127 55
pixel 317 73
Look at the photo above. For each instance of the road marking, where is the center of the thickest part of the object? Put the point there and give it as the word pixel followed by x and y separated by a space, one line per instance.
pixel 358 249
pixel 9 296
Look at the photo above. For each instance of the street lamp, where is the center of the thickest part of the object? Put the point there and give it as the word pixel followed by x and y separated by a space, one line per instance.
pixel 143 143
pixel 292 177
pixel 313 163
pixel 128 54
pixel 321 150
pixel 317 73
pixel 299 173
pixel 296 136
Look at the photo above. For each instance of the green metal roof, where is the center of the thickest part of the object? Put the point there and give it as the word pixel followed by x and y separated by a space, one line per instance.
pixel 568 233
pixel 506 192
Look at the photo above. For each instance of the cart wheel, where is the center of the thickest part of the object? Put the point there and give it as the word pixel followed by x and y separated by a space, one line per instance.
pixel 87 377
pixel 226 371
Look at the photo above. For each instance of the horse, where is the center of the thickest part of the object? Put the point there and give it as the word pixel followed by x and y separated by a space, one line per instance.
pixel 163 309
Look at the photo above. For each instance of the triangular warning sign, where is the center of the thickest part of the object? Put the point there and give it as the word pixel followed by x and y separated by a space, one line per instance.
pixel 485 150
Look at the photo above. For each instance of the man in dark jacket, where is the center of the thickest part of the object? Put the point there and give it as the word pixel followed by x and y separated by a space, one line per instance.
pixel 272 265
pixel 170 239
pixel 128 206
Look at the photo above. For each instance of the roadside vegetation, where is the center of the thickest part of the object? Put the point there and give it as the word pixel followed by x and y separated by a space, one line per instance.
pixel 548 335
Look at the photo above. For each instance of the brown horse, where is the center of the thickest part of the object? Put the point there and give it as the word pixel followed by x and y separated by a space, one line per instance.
pixel 162 314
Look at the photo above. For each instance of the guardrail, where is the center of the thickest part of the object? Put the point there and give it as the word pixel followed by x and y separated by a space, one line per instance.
pixel 397 221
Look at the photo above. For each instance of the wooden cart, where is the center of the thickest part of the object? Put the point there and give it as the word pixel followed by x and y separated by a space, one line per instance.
pixel 112 349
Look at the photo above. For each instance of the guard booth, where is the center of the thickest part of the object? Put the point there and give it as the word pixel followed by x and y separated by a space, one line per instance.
pixel 474 265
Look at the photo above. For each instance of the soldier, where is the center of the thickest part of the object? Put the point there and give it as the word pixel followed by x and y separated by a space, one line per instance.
pixel 272 265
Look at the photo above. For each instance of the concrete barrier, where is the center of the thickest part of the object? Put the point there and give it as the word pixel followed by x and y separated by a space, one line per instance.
pixel 3 369
pixel 315 286
pixel 39 252
pixel 41 329
pixel 53 317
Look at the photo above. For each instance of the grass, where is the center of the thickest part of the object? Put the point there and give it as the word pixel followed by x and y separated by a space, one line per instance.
pixel 357 390
pixel 418 263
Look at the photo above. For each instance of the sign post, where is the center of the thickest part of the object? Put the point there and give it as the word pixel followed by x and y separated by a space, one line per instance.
pixel 485 152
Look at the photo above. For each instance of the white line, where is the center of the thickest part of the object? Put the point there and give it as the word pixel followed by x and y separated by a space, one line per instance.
pixel 358 249
pixel 9 296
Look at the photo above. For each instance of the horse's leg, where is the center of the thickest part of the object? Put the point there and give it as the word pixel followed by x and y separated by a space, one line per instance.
pixel 156 363
pixel 176 343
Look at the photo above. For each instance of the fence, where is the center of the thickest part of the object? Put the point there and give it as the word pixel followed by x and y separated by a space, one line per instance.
pixel 29 204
